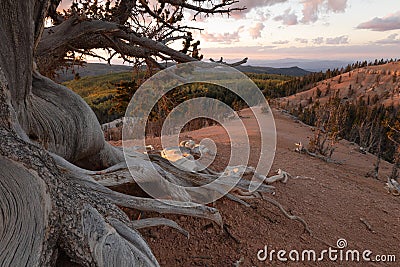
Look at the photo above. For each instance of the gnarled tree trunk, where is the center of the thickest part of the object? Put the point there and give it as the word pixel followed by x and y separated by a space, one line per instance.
pixel 51 144
pixel 42 208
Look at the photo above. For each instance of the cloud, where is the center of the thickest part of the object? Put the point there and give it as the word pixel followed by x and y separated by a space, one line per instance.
pixel 255 32
pixel 287 18
pixel 337 5
pixel 391 39
pixel 301 40
pixel 312 8
pixel 263 15
pixel 390 22
pixel 253 4
pixel 222 38
pixel 318 40
pixel 344 39
pixel 281 42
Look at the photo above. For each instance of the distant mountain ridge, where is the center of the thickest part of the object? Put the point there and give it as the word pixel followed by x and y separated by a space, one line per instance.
pixel 312 65
pixel 95 69
pixel 91 69
pixel 291 71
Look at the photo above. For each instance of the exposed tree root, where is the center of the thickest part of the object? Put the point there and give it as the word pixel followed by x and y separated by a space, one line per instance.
pixel 228 232
pixel 152 222
pixel 190 178
pixel 281 176
pixel 147 204
pixel 79 226
pixel 128 247
pixel 287 214
pixel 296 218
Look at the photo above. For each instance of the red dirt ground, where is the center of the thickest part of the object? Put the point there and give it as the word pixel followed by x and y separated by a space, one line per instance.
pixel 332 199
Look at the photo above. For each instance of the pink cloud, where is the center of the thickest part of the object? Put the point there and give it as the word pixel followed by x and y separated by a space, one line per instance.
pixel 301 40
pixel 312 8
pixel 337 5
pixel 281 42
pixel 287 18
pixel 222 38
pixel 318 40
pixel 391 39
pixel 255 32
pixel 344 39
pixel 390 22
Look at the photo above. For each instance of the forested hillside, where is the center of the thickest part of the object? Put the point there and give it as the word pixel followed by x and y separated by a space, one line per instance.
pixel 364 94
pixel 109 95
pixel 360 105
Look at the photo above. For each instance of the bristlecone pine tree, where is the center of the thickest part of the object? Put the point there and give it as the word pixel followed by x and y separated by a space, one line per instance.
pixel 52 197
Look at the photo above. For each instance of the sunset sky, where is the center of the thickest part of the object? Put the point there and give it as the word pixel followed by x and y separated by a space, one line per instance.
pixel 316 29
pixel 307 29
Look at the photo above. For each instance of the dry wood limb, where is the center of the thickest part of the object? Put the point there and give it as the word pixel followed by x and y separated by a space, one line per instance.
pixel 235 64
pixel 367 224
pixel 302 149
pixel 228 232
pixel 287 214
pixel 280 176
pixel 393 187
pixel 239 262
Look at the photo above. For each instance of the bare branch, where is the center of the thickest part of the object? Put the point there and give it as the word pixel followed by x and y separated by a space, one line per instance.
pixel 215 9
pixel 85 35
pixel 123 11
pixel 235 64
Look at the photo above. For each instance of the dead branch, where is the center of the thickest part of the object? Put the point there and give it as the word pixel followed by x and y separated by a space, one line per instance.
pixel 301 149
pixel 367 224
pixel 124 28
pixel 287 214
pixel 393 187
pixel 235 64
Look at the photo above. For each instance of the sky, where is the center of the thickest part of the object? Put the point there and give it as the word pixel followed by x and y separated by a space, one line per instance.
pixel 305 29
pixel 302 29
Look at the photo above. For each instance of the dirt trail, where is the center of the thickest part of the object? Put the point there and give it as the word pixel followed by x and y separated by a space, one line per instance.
pixel 336 201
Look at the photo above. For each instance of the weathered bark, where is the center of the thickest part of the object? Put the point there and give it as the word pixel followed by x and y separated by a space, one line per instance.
pixel 16 46
pixel 25 206
pixel 42 210
pixel 67 128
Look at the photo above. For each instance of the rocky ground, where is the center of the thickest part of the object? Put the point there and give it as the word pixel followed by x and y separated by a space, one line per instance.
pixel 336 201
